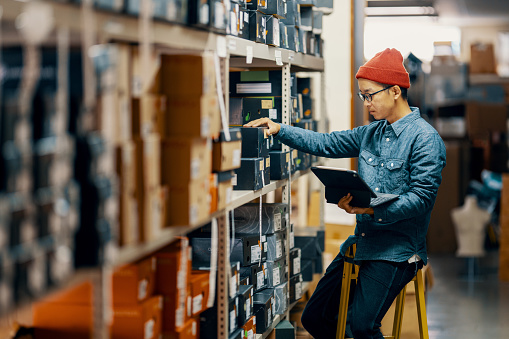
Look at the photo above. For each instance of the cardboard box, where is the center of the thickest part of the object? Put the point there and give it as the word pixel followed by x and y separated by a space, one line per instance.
pixel 148 114
pixel 145 78
pixel 134 283
pixel 482 58
pixel 224 189
pixel 126 171
pixel 193 116
pixel 249 327
pixel 65 315
pixel 188 203
pixel 138 321
pixel 191 330
pixel 199 285
pixel 152 213
pixel 185 160
pixel 483 118
pixel 148 159
pixel 172 277
pixel 188 75
pixel 226 154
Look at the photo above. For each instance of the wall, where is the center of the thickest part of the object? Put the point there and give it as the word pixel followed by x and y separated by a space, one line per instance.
pixel 475 34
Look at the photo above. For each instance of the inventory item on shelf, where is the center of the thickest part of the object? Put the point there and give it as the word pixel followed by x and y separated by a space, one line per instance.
pixel 276 244
pixel 274 218
pixel 250 175
pixel 272 32
pixel 263 308
pixel 295 261
pixel 234 278
pixel 134 283
pixel 279 161
pixel 255 143
pixel 199 292
pixel 257 275
pixel 257 27
pixel 281 297
pixel 249 328
pixel 209 320
pixel 245 304
pixel 295 288
pixel 226 154
pixel 255 83
pixel 308 269
pixel 277 272
pixel 142 320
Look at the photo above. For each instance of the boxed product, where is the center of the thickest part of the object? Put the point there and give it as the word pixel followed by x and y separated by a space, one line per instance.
pixel 276 246
pixel 281 297
pixel 257 275
pixel 257 26
pixel 199 291
pixel 134 283
pixel 138 320
pixel 274 218
pixel 226 154
pixel 235 278
pixel 145 79
pixel 148 114
pixel 295 288
pixel 236 112
pixel 283 35
pixel 249 328
pixel 263 310
pixel 184 160
pixel 256 83
pixel 285 330
pixel 272 7
pixel 307 269
pixel 244 281
pixel 295 261
pixel 224 188
pixel 304 86
pixel 190 330
pixel 255 143
pixel 128 212
pixel 273 36
pixel 208 320
pixel 279 161
pixel 277 272
pixel 188 203
pixel 292 17
pixel 250 174
pixel 306 18
pixel 245 304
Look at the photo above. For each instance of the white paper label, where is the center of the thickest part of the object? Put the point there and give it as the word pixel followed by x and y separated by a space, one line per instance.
pixel 249 54
pixel 193 328
pixel 233 323
pixel 221 45
pixel 197 303
pixel 236 157
pixel 292 240
pixel 276 280
pixel 273 113
pixel 260 279
pixel 296 265
pixel 279 249
pixel 250 334
pixel 233 286
pixel 234 180
pixel 142 289
pixel 229 193
pixel 189 306
pixel 298 290
pixel 204 126
pixel 269 317
pixel 179 317
pixel 277 221
pixel 195 168
pixel 255 253
pixel 149 329
pixel 248 309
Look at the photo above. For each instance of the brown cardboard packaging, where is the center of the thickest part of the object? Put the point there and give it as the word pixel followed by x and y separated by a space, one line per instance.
pixel 191 330
pixel 213 186
pixel 192 116
pixel 188 203
pixel 134 283
pixel 482 58
pixel 199 283
pixel 172 277
pixel 224 194
pixel 226 155
pixel 145 78
pixel 250 327
pixel 188 74
pixel 185 159
pixel 65 315
pixel 138 321
pixel 152 211
pixel 128 223
pixel 483 118
pixel 148 113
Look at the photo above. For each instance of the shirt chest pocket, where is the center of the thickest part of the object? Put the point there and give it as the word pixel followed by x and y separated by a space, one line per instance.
pixel 396 174
pixel 368 165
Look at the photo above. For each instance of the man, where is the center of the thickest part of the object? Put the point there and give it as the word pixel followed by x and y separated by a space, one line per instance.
pixel 398 153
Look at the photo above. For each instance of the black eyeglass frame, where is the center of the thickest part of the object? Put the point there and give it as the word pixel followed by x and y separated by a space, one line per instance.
pixel 369 96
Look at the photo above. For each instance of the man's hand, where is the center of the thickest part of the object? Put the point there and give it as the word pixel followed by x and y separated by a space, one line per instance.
pixel 344 203
pixel 265 122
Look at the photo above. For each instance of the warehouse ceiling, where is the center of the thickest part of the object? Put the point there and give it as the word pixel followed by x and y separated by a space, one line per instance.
pixel 455 12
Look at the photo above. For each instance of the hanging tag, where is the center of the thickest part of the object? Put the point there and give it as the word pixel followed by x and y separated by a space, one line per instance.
pixel 279 59
pixel 221 46
pixel 249 55
pixel 222 107
pixel 213 264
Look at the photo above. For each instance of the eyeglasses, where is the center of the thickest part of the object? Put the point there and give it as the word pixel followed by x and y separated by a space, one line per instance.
pixel 369 96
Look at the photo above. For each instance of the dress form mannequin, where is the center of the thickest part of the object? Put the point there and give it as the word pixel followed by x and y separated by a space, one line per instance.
pixel 470 221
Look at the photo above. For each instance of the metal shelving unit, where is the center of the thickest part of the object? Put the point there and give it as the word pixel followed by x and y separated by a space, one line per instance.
pixel 235 53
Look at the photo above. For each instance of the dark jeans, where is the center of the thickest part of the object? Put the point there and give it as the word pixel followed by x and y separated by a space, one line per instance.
pixel 378 285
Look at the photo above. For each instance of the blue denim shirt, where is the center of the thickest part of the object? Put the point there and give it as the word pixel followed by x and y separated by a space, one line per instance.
pixel 405 158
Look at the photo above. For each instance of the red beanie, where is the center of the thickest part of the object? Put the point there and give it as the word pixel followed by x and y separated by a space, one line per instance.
pixel 386 67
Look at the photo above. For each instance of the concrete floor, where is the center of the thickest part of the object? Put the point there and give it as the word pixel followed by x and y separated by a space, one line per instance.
pixel 459 307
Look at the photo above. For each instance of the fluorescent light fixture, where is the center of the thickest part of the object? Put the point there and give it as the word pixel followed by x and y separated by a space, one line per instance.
pixel 400 11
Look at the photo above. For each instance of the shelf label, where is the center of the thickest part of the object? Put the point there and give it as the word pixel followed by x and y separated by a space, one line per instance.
pixel 279 59
pixel 221 46
pixel 249 54
pixel 232 44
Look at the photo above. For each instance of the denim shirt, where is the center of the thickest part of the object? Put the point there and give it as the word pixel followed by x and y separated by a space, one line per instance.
pixel 405 158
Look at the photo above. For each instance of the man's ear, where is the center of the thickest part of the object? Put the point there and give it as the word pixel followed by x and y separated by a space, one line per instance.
pixel 396 90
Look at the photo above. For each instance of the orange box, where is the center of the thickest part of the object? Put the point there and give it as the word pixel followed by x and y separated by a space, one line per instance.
pixel 214 185
pixel 185 159
pixel 191 330
pixel 65 315
pixel 199 282
pixel 134 283
pixel 172 277
pixel 250 327
pixel 226 154
pixel 138 321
